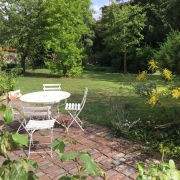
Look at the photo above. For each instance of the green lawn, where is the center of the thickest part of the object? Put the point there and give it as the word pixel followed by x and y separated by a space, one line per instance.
pixel 103 88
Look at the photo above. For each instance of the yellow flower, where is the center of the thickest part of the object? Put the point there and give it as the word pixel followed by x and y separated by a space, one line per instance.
pixel 176 93
pixel 141 76
pixel 148 122
pixel 152 65
pixel 153 99
pixel 167 74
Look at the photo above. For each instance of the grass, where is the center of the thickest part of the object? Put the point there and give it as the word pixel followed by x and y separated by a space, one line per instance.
pixel 103 88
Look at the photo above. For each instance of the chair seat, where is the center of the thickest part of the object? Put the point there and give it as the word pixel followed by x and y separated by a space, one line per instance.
pixel 42 124
pixel 73 106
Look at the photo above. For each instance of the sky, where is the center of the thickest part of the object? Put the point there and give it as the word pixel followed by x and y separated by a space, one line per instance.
pixel 96 5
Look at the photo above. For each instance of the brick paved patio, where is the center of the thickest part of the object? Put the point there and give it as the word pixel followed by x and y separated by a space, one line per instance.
pixel 117 156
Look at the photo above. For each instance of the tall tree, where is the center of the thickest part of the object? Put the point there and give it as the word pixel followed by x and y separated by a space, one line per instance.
pixel 21 27
pixel 53 26
pixel 123 25
pixel 65 28
pixel 162 15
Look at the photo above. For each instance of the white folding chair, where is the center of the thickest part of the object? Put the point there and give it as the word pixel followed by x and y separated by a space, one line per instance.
pixel 17 113
pixel 39 119
pixel 54 87
pixel 74 110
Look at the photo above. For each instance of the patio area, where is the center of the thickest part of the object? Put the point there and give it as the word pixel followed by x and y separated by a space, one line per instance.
pixel 117 156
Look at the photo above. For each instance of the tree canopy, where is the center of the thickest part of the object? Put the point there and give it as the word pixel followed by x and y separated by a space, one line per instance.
pixel 21 27
pixel 64 31
pixel 122 27
pixel 49 27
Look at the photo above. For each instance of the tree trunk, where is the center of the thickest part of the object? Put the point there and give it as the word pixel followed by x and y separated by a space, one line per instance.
pixel 64 72
pixel 125 66
pixel 23 58
pixel 125 52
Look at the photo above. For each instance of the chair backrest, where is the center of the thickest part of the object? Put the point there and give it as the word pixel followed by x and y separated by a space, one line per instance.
pixel 84 97
pixel 43 112
pixel 51 87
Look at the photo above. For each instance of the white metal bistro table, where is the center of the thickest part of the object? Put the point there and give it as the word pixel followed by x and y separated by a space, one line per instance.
pixel 45 97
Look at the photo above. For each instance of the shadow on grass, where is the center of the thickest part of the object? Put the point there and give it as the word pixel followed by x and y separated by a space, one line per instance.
pixel 41 75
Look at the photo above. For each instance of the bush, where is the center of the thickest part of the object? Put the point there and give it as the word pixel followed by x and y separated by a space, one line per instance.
pixel 143 55
pixel 7 81
pixel 119 116
pixel 17 71
pixel 168 55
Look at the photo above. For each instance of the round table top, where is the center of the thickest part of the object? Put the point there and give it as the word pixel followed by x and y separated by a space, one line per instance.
pixel 49 97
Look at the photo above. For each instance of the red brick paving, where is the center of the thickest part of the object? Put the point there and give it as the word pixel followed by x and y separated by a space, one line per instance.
pixel 114 155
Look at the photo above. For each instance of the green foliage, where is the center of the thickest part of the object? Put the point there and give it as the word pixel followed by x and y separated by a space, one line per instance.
pixel 12 169
pixel 123 27
pixel 18 170
pixel 168 55
pixel 65 28
pixel 159 133
pixel 75 72
pixel 104 59
pixel 158 171
pixel 22 27
pixel 2 53
pixel 143 55
pixel 7 81
pixel 119 115
pixel 144 89
pixel 157 25
pixel 16 71
pixel 85 165
pixel 172 14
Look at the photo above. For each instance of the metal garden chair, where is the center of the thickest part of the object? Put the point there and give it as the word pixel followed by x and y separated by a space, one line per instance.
pixel 74 110
pixel 36 123
pixel 54 87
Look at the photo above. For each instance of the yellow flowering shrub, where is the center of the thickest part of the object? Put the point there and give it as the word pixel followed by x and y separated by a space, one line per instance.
pixel 176 93
pixel 153 99
pixel 152 65
pixel 141 76
pixel 167 74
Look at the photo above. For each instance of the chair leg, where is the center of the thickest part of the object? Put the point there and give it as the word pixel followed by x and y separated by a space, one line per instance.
pixel 30 143
pixel 74 116
pixel 52 138
pixel 21 125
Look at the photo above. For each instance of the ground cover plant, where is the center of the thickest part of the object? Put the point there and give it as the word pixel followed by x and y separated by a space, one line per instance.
pixel 110 93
